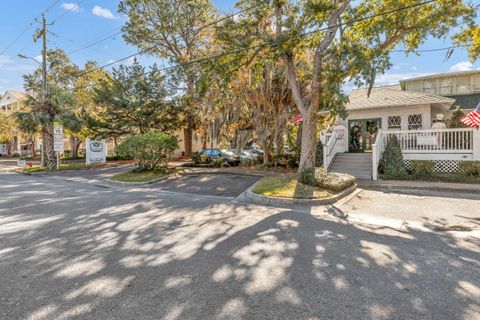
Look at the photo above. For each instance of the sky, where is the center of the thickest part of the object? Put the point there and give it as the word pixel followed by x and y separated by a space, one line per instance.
pixel 79 25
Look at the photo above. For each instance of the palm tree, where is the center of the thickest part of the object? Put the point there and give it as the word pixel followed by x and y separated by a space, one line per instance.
pixel 55 107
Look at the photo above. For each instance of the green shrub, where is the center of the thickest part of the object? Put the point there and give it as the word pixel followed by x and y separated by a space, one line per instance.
pixel 152 150
pixel 319 154
pixel 218 162
pixel 423 168
pixel 469 168
pixel 391 163
pixel 117 157
pixel 247 162
pixel 332 181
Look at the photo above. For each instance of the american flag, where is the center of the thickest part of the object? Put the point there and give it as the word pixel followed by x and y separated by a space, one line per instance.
pixel 297 119
pixel 472 119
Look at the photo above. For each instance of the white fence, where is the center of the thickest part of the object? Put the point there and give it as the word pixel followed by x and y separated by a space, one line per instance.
pixel 434 141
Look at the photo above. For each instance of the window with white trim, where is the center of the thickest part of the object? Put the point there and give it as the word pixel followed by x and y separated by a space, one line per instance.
pixel 394 123
pixel 415 122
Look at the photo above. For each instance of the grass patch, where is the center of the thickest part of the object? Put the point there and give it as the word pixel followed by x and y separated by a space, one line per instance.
pixel 439 177
pixel 145 176
pixel 62 167
pixel 288 187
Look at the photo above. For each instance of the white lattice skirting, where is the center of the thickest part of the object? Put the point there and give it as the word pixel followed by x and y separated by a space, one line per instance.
pixel 441 166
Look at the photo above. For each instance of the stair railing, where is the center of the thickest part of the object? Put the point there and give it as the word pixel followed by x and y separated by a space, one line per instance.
pixel 329 150
pixel 377 150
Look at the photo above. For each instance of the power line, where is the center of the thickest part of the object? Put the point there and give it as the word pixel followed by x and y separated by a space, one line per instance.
pixel 95 43
pixel 428 50
pixel 30 24
pixel 75 6
pixel 176 38
pixel 264 44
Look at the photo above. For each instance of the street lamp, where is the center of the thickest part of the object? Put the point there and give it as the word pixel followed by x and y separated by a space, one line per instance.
pixel 22 56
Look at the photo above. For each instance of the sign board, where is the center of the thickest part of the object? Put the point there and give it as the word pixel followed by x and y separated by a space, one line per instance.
pixel 58 137
pixel 341 132
pixel 427 140
pixel 22 163
pixel 96 151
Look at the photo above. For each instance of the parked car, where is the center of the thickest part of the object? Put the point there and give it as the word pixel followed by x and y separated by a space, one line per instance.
pixel 229 158
pixel 255 150
pixel 243 154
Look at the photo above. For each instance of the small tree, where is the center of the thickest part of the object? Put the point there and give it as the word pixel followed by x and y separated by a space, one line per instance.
pixel 454 121
pixel 133 101
pixel 391 164
pixel 152 150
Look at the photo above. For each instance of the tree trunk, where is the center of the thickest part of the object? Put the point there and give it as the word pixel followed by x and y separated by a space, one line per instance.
pixel 43 162
pixel 188 131
pixel 187 140
pixel 34 154
pixel 74 146
pixel 309 140
pixel 50 153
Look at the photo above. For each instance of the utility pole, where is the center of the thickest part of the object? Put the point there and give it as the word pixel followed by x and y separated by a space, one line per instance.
pixel 43 33
pixel 44 78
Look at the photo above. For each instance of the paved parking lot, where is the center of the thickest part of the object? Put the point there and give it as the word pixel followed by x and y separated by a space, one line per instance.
pixel 215 184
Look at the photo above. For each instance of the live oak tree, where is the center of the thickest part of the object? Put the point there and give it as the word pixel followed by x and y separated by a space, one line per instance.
pixel 470 39
pixel 133 101
pixel 172 30
pixel 344 40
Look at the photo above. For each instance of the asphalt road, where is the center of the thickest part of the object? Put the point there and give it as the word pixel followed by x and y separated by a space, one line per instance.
pixel 74 250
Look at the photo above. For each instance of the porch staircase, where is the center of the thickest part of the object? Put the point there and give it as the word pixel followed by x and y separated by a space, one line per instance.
pixel 358 165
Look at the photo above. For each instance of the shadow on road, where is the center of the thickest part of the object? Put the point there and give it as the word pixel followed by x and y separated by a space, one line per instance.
pixel 122 254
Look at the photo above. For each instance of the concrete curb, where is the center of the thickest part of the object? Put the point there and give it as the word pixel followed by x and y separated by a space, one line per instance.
pixel 419 186
pixel 250 197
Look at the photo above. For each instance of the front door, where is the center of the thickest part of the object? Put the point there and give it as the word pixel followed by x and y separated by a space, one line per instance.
pixel 362 134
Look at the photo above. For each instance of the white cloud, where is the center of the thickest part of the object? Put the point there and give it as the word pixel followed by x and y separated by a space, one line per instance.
pixel 71 7
pixel 4 60
pixel 462 66
pixel 414 68
pixel 102 12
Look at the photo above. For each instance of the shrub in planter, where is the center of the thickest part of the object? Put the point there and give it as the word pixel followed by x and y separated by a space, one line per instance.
pixel 469 168
pixel 423 168
pixel 391 163
pixel 152 150
pixel 332 181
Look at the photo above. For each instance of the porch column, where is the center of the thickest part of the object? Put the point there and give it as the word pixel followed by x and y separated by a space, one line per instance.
pixel 476 144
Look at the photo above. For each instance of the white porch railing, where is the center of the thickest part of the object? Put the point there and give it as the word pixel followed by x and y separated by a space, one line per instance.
pixel 431 144
pixel 377 150
pixel 329 150
pixel 434 140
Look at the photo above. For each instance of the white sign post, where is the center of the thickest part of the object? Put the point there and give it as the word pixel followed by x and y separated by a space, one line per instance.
pixel 96 151
pixel 58 141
